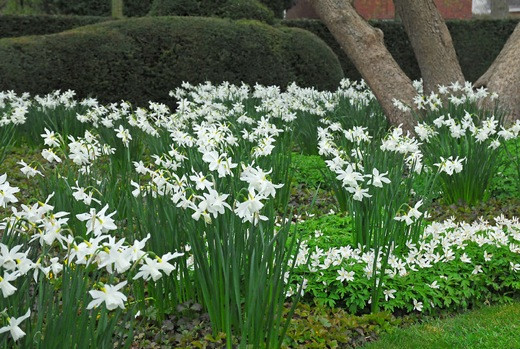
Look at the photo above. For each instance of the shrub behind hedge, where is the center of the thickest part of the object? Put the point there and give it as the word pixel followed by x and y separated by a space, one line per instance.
pixel 131 8
pixel 143 59
pixel 477 43
pixel 233 9
pixel 17 25
pixel 246 9
pixel 278 6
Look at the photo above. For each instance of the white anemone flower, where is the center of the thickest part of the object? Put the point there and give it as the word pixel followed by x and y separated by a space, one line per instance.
pixel 345 275
pixel 417 305
pixel 389 294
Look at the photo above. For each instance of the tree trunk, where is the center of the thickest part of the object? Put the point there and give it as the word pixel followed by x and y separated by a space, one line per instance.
pixel 431 43
pixel 503 77
pixel 499 9
pixel 365 47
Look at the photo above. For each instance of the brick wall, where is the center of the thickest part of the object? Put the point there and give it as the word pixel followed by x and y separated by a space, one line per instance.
pixel 460 9
pixel 384 9
pixel 375 9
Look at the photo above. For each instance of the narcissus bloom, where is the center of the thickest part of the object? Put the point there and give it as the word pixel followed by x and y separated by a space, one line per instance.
pixel 16 331
pixel 7 192
pixel 98 222
pixel 5 286
pixel 110 295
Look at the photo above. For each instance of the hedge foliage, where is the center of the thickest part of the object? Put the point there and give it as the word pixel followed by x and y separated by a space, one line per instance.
pixel 477 43
pixel 234 9
pixel 246 9
pixel 131 8
pixel 278 6
pixel 17 25
pixel 143 59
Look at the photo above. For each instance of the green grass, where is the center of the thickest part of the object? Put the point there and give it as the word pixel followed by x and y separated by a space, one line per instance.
pixel 308 170
pixel 28 186
pixel 327 231
pixel 489 327
pixel 506 183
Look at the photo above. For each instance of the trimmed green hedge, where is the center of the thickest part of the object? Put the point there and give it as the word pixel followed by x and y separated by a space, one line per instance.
pixel 477 43
pixel 17 25
pixel 143 59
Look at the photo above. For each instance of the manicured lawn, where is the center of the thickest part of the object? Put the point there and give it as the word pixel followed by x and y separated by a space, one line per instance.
pixel 489 327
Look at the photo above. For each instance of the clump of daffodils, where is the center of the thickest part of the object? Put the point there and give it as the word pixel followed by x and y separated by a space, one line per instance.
pixel 48 231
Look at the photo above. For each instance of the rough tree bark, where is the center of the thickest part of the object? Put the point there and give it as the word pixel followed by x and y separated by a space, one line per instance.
pixel 365 47
pixel 431 42
pixel 503 77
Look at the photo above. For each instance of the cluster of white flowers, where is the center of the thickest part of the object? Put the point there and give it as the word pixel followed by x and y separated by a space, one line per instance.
pixel 204 127
pixel 450 165
pixel 407 145
pixel 440 243
pixel 455 94
pixel 14 108
pixel 458 129
pixel 348 164
pixel 511 132
pixel 51 231
pixel 56 100
pixel 204 143
pixel 7 192
pixel 412 215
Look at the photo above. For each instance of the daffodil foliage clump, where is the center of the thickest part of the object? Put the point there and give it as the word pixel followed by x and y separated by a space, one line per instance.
pixel 200 186
pixel 62 275
pixel 465 138
pixel 134 211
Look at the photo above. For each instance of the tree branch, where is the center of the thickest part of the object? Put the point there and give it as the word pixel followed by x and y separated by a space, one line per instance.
pixel 431 42
pixel 503 76
pixel 365 47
